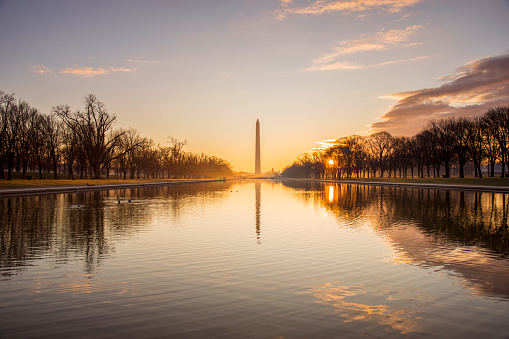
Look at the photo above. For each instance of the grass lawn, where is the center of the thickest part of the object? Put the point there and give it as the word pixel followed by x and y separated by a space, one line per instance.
pixel 445 181
pixel 18 183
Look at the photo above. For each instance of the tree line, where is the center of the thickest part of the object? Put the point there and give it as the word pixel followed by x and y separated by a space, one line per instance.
pixel 84 144
pixel 441 145
pixel 438 213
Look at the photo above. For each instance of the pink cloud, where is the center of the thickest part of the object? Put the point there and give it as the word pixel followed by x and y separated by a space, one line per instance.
pixel 41 69
pixel 318 7
pixel 88 72
pixel 381 41
pixel 471 91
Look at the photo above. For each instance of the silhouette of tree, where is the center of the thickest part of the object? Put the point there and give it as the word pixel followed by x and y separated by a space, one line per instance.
pixel 442 135
pixel 306 165
pixel 381 144
pixel 318 164
pixel 416 152
pixel 52 131
pixel 459 130
pixel 445 142
pixel 7 103
pixel 28 129
pixel 348 154
pixel 70 148
pixel 295 170
pixel 17 116
pixel 142 155
pixel 498 121
pixel 402 158
pixel 423 152
pixel 476 134
pixel 85 141
pixel 491 146
pixel 127 151
pixel 91 126
pixel 342 158
pixel 178 159
pixel 151 161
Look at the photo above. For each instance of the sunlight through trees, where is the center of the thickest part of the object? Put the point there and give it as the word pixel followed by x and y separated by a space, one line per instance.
pixel 442 145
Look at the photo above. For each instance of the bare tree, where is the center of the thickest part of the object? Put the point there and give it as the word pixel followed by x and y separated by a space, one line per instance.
pixel 144 157
pixel 358 147
pixel 7 107
pixel 381 144
pixel 86 141
pixel 459 130
pixel 27 135
pixel 497 119
pixel 491 147
pixel 318 164
pixel 91 126
pixel 178 157
pixel 128 151
pixel 476 134
pixel 348 155
pixel 442 135
pixel 17 118
pixel 70 149
pixel 402 157
pixel 52 130
pixel 423 152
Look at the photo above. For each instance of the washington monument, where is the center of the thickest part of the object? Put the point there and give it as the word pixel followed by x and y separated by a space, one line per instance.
pixel 257 152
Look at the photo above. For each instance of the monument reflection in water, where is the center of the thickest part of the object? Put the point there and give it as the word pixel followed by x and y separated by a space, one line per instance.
pixel 190 261
pixel 258 205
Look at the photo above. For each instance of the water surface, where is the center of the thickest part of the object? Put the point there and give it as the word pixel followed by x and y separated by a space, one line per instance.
pixel 255 260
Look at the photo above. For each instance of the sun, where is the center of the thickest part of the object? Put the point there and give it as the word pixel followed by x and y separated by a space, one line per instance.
pixel 331 162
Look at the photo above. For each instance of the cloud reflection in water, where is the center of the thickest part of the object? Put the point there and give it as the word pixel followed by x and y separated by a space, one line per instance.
pixel 369 304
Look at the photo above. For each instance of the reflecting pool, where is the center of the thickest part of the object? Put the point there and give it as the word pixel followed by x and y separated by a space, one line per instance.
pixel 255 259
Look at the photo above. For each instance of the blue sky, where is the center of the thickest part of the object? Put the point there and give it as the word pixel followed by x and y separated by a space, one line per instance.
pixel 309 70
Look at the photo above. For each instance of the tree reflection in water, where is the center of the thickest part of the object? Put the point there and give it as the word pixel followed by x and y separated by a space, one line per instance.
pixel 337 261
pixel 85 224
pixel 463 217
pixel 463 232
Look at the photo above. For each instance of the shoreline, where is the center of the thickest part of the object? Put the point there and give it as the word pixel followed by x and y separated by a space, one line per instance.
pixel 26 191
pixel 465 187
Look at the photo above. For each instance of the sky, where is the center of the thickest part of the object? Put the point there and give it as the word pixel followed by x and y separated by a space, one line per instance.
pixel 309 70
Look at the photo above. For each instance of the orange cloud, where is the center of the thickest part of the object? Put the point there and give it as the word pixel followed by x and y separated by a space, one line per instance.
pixel 399 61
pixel 324 144
pixel 88 72
pixel 144 61
pixel 347 65
pixel 334 66
pixel 471 91
pixel 326 6
pixel 380 41
pixel 120 69
pixel 41 69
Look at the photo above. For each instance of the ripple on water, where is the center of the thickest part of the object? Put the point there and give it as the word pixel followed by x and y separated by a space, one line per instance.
pixel 246 260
